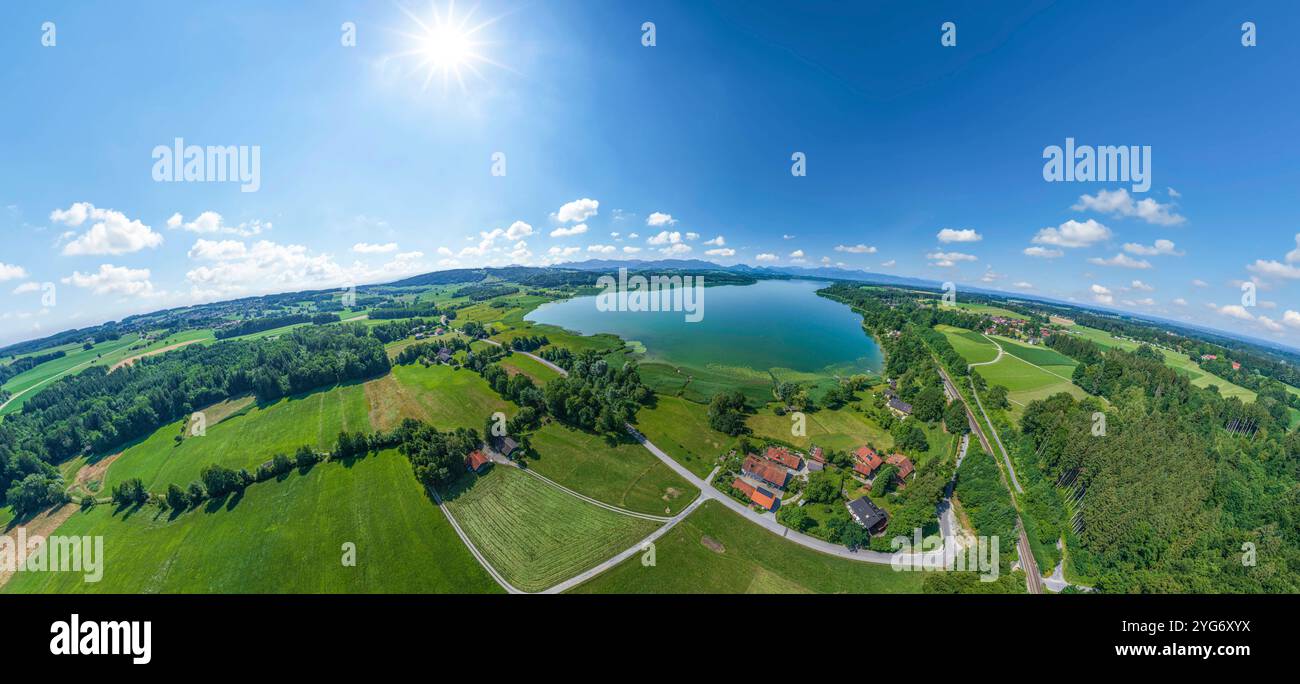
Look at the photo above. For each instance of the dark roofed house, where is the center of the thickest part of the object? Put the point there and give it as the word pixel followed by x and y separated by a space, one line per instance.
pixel 815 466
pixel 504 445
pixel 783 456
pixel 767 471
pixel 444 355
pixel 867 514
pixel 904 465
pixel 476 461
pixel 900 407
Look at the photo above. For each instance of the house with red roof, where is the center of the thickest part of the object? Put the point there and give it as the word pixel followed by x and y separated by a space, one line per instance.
pixel 783 456
pixel 904 465
pixel 758 495
pixel 476 461
pixel 764 470
pixel 817 455
pixel 866 461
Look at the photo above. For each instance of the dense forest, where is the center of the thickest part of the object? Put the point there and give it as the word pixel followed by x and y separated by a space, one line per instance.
pixel 18 366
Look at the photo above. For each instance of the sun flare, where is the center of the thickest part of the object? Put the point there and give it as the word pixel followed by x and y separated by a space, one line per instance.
pixel 448 47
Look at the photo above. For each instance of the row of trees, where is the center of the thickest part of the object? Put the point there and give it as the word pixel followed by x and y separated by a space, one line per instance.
pixel 255 325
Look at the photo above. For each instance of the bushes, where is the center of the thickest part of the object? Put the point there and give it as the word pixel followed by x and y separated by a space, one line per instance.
pixel 34 493
pixel 130 493
pixel 727 413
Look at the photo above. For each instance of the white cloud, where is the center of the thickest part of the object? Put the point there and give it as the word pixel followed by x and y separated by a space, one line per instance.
pixel 577 210
pixel 947 259
pixel 1160 248
pixel 888 264
pixel 518 230
pixel 1291 318
pixel 563 251
pixel 566 232
pixel 1200 283
pixel 1043 252
pixel 1122 260
pixel 1073 234
pixel 659 219
pixel 601 249
pixel 373 248
pixel 1274 269
pixel 797 254
pixel 676 249
pixel 1232 311
pixel 787 236
pixel 111 232
pixel 236 268
pixel 721 252
pixel 1101 294
pixel 665 238
pixel 765 257
pixel 631 250
pixel 1294 255
pixel 29 286
pixel 1174 193
pixel 692 236
pixel 716 242
pixel 112 279
pixel 1024 285
pixel 1120 203
pixel 963 235
pixel 1139 285
pixel 1269 324
pixel 856 249
pixel 632 236
pixel 1179 301
pixel 11 271
pixel 211 222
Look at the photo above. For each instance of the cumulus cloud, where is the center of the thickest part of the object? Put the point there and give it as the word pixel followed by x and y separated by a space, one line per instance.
pixel 233 267
pixel 665 238
pixel 1043 252
pixel 601 249
pixel 211 222
pixel 110 279
pixel 1073 234
pixel 963 235
pixel 765 257
pixel 1232 311
pixel 676 249
pixel 1120 203
pixel 373 248
pixel 797 254
pixel 1291 318
pixel 518 230
pixel 1139 285
pixel 111 232
pixel 11 271
pixel 692 236
pixel 568 231
pixel 1160 248
pixel 856 249
pixel 721 252
pixel 1121 260
pixel 716 242
pixel 577 210
pixel 1101 294
pixel 947 259
pixel 1024 285
pixel 659 219
pixel 787 236
pixel 1269 268
pixel 631 250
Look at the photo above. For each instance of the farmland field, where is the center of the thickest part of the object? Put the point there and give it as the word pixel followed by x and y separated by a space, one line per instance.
pixel 282 536
pixel 971 345
pixel 445 397
pixel 536 535
pixel 245 439
pixel 539 373
pixel 1030 373
pixel 716 551
pixel 1173 359
pixel 681 428
pixel 840 429
pixel 626 475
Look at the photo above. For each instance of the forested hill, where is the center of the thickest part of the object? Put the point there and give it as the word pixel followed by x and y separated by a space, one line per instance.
pixel 97 410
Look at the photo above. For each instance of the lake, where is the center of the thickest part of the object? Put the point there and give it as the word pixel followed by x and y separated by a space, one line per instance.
pixel 770 324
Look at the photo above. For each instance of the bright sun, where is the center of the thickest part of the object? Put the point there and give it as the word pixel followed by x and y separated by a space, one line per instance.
pixel 448 47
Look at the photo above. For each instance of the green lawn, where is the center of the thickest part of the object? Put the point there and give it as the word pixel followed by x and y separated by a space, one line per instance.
pixel 716 551
pixel 282 537
pixel 626 475
pixel 841 429
pixel 681 428
pixel 538 371
pixel 245 439
pixel 536 535
pixel 971 345
pixel 445 397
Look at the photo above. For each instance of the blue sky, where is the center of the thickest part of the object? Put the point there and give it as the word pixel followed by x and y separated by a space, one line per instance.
pixel 371 170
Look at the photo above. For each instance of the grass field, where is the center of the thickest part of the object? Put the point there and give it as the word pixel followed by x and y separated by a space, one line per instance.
pixel 282 537
pixel 971 345
pixel 840 429
pixel 625 475
pixel 699 384
pixel 444 397
pixel 536 535
pixel 716 551
pixel 538 371
pixel 681 428
pixel 245 439
pixel 990 310
pixel 1173 359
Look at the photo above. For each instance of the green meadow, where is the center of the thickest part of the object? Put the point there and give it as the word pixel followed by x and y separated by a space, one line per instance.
pixel 716 551
pixel 282 537
pixel 681 429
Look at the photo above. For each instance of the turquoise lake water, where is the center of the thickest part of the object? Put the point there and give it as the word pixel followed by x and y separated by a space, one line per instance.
pixel 770 324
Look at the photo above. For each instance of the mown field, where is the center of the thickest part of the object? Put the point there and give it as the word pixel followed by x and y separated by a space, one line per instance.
pixel 444 397
pixel 245 439
pixel 282 537
pixel 716 551
pixel 971 345
pixel 1029 372
pixel 839 429
pixel 626 475
pixel 535 535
